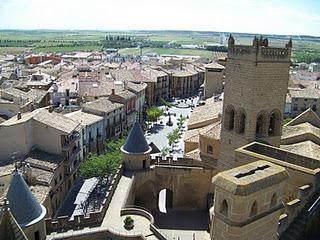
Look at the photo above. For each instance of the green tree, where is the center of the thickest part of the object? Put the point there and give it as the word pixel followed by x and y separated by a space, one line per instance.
pixel 181 121
pixel 164 151
pixel 105 164
pixel 98 166
pixel 153 114
pixel 166 103
pixel 173 136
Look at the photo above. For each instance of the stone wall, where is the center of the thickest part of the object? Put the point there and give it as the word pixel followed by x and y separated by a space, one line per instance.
pixel 101 233
pixel 213 83
pixel 300 175
pixel 180 180
pixel 294 207
pixel 256 82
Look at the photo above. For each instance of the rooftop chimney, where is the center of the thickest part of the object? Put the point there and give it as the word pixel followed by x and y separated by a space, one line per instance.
pixel 19 115
pixel 112 91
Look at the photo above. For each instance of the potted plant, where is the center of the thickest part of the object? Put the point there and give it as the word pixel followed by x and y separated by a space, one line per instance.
pixel 128 223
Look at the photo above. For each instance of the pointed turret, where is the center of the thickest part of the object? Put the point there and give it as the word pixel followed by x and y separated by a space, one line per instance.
pixel 25 208
pixel 136 142
pixel 136 151
pixel 23 204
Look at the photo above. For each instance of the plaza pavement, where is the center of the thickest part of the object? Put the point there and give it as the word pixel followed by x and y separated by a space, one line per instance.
pixel 158 133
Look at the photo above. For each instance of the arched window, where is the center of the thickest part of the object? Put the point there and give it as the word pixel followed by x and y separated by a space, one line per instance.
pixel 209 149
pixel 229 118
pixel 240 121
pixel 275 123
pixel 224 207
pixel 273 200
pixel 254 209
pixel 262 124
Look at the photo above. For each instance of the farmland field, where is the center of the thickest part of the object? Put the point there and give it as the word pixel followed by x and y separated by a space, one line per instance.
pixel 305 48
pixel 170 51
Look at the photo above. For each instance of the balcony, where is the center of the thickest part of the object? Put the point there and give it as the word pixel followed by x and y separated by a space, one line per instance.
pixel 68 172
pixel 74 153
pixel 99 137
pixel 72 139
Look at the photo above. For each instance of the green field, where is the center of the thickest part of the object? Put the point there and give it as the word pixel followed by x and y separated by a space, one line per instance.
pixel 13 50
pixel 171 51
pixel 65 49
pixel 305 48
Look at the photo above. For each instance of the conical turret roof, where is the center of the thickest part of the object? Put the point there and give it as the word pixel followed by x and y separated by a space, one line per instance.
pixel 23 205
pixel 136 142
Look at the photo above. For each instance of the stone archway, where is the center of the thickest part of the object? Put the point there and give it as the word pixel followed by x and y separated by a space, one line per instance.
pixel 165 200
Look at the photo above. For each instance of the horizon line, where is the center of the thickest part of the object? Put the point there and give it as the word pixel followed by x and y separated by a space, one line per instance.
pixel 150 30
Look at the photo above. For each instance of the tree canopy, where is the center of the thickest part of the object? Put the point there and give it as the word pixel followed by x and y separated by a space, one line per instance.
pixel 173 136
pixel 153 113
pixel 104 164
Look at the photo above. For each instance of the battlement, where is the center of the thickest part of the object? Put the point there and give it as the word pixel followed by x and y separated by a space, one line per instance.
pixel 172 161
pixel 259 51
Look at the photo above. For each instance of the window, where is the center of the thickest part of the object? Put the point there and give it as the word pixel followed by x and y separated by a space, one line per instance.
pixel 240 121
pixel 90 137
pixel 254 209
pixel 314 107
pixel 260 125
pixel 224 208
pixel 229 118
pixel 36 235
pixel 275 123
pixel 209 149
pixel 55 182
pixel 273 200
pixel 295 107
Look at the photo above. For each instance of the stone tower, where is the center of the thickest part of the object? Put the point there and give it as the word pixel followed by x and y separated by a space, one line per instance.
pixel 248 202
pixel 27 211
pixel 213 82
pixel 256 82
pixel 136 151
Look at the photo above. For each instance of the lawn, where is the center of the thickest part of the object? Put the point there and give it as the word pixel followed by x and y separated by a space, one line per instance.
pixel 13 50
pixel 171 51
pixel 64 49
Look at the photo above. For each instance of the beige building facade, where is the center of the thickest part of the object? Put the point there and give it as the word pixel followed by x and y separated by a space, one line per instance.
pixel 213 82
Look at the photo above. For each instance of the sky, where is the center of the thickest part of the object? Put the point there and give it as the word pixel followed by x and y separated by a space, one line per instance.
pixel 288 17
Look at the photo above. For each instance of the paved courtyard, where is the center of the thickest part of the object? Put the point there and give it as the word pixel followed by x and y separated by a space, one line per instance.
pixel 158 133
pixel 183 225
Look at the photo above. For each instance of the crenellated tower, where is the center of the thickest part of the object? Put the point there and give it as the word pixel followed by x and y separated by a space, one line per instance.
pixel 256 82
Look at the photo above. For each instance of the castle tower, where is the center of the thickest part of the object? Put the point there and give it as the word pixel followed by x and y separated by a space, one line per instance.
pixel 248 202
pixel 136 151
pixel 26 210
pixel 256 82
pixel 213 82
